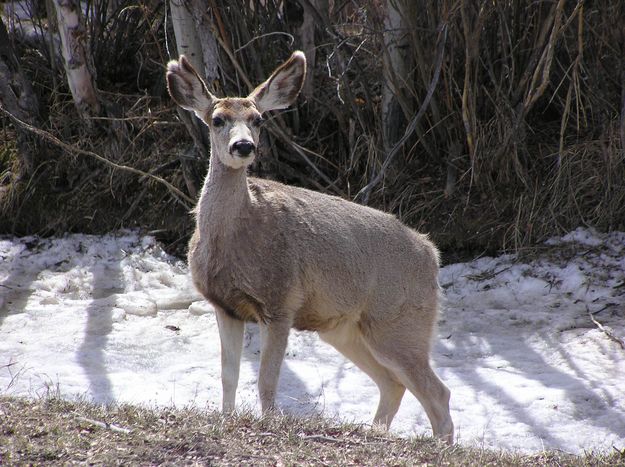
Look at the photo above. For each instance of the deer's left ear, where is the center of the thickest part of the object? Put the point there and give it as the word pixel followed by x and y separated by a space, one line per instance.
pixel 283 86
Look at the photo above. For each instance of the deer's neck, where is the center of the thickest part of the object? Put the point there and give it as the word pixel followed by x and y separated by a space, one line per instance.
pixel 224 200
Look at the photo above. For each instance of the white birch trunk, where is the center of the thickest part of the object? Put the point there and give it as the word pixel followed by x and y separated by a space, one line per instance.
pixel 76 57
pixel 187 39
pixel 194 39
pixel 210 51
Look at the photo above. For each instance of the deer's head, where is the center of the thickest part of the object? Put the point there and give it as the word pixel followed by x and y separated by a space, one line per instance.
pixel 234 122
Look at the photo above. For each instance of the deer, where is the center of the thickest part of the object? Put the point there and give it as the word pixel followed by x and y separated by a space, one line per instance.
pixel 288 257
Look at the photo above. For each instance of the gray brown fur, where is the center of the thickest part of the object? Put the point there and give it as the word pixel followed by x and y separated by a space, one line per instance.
pixel 288 257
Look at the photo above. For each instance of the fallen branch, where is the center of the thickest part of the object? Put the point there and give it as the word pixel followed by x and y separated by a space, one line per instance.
pixel 606 331
pixel 105 425
pixel 184 199
pixel 320 438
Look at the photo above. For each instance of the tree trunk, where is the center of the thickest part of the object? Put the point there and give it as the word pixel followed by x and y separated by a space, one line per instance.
pixel 18 98
pixel 210 51
pixel 396 71
pixel 77 57
pixel 187 39
pixel 194 39
pixel 313 9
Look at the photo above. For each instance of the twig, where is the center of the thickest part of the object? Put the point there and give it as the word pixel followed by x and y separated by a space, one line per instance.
pixel 277 130
pixel 486 275
pixel 326 439
pixel 106 425
pixel 605 307
pixel 363 194
pixel 73 149
pixel 276 33
pixel 543 68
pixel 14 376
pixel 606 331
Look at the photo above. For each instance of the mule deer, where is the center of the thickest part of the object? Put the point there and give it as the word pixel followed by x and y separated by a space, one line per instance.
pixel 287 257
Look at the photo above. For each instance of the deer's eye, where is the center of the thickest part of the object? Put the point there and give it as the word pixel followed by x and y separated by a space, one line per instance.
pixel 258 121
pixel 218 122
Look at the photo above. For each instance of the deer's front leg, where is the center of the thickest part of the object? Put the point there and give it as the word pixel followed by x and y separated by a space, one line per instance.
pixel 231 336
pixel 273 340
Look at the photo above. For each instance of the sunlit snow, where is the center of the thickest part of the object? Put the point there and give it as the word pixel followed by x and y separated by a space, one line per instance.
pixel 114 318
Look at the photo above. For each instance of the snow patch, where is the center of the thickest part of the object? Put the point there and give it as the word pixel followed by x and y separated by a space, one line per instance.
pixel 116 319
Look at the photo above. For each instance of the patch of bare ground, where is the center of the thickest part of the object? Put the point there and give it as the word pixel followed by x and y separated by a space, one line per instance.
pixel 54 431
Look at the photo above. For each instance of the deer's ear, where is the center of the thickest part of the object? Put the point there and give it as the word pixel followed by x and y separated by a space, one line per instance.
pixel 283 86
pixel 187 88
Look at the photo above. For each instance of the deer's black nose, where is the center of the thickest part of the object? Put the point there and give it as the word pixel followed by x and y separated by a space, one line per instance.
pixel 244 148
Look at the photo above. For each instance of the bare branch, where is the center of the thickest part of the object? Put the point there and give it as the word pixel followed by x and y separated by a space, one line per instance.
pixel 363 195
pixel 182 198
pixel 606 331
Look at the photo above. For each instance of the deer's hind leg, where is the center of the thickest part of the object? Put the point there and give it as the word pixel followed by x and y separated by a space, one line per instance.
pixel 347 339
pixel 404 349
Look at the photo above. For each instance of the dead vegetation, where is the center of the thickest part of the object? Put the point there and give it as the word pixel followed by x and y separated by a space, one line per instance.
pixel 505 124
pixel 54 431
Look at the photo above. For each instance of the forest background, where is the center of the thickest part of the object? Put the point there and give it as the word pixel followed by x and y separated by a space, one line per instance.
pixel 490 125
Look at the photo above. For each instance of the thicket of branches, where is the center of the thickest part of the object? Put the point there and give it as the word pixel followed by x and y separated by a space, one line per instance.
pixel 489 124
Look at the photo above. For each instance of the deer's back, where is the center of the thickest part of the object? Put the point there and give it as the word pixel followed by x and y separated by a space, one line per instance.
pixel 347 259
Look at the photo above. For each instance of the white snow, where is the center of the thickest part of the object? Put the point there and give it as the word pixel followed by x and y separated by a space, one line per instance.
pixel 114 318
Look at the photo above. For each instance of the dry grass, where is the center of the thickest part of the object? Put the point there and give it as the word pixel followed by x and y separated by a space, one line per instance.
pixel 522 138
pixel 54 431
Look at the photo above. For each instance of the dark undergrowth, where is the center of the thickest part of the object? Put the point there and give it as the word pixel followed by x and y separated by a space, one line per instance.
pixel 522 138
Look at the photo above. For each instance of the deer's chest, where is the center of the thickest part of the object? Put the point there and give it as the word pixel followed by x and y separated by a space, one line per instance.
pixel 229 279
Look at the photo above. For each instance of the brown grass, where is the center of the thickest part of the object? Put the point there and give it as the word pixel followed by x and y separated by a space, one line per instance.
pixel 54 431
pixel 522 137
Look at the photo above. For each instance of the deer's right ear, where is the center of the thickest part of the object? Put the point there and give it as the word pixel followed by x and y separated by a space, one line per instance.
pixel 187 88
